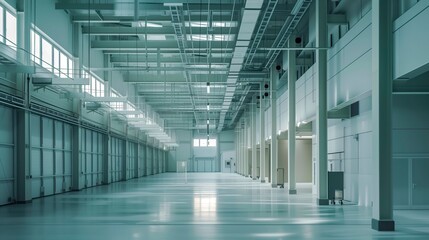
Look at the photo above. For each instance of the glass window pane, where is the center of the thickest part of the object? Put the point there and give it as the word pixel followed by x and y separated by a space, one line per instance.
pixel 212 143
pixel 98 88
pixel 71 68
pixel 101 89
pixel 10 29
pixel 86 88
pixel 63 65
pixel 1 25
pixel 196 142
pixel 93 84
pixel 46 55
pixel 32 35
pixel 56 62
pixel 36 48
pixel 203 142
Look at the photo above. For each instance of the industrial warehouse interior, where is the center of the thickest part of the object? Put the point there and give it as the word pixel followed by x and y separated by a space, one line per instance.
pixel 214 119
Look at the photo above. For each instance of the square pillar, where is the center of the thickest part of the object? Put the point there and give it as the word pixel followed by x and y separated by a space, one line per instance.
pixel 253 142
pixel 23 145
pixel 321 114
pixel 262 135
pixel 274 153
pixel 292 117
pixel 382 68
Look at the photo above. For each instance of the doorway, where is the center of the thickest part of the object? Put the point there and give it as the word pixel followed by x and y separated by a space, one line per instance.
pixel 410 183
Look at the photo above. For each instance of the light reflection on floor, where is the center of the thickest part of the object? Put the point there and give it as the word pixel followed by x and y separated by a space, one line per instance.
pixel 209 206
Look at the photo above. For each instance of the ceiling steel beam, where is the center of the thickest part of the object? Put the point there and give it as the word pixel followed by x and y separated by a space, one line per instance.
pixel 143 17
pixel 152 44
pixel 84 6
pixel 127 31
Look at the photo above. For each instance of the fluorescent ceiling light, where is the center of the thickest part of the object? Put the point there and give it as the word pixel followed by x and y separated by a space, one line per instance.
pixel 149 24
pixel 156 37
pixel 173 4
pixel 204 24
pixel 211 37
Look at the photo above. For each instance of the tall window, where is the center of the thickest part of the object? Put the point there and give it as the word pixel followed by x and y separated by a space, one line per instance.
pixel 71 68
pixel 1 25
pixel 96 86
pixel 10 29
pixel 47 55
pixel 118 106
pixel 203 142
pixel 63 65
pixel 56 62
pixel 35 47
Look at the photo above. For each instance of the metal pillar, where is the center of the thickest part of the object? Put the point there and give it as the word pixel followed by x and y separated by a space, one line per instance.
pixel 77 173
pixel 23 116
pixel 262 136
pixel 23 143
pixel 321 114
pixel 253 142
pixel 292 117
pixel 243 144
pixel 124 161
pixel 105 164
pixel 274 153
pixel 246 147
pixel 382 68
pixel 237 149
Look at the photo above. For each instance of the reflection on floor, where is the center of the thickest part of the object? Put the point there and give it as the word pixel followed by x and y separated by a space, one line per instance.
pixel 208 206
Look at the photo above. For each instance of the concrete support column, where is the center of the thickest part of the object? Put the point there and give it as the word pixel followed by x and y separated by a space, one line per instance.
pixel 77 49
pixel 124 161
pixel 147 157
pixel 77 174
pixel 23 143
pixel 136 156
pixel 107 116
pixel 321 114
pixel 158 154
pixel 24 15
pixel 253 142
pixel 262 135
pixel 23 121
pixel 237 149
pixel 241 146
pixel 246 146
pixel 105 164
pixel 274 153
pixel 292 117
pixel 382 68
pixel 153 157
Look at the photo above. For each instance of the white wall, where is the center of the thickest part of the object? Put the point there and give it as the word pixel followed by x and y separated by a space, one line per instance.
pixel 61 30
pixel 410 42
pixel 186 151
pixel 228 156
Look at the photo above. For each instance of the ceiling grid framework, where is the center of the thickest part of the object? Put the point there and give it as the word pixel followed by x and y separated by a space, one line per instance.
pixel 170 51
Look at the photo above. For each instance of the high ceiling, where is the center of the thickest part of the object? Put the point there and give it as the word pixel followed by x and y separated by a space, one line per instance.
pixel 170 51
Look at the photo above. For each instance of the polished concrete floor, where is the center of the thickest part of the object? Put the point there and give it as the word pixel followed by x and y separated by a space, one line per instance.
pixel 208 206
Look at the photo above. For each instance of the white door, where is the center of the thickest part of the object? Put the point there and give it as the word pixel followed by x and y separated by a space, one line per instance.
pixel 420 183
pixel 410 183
